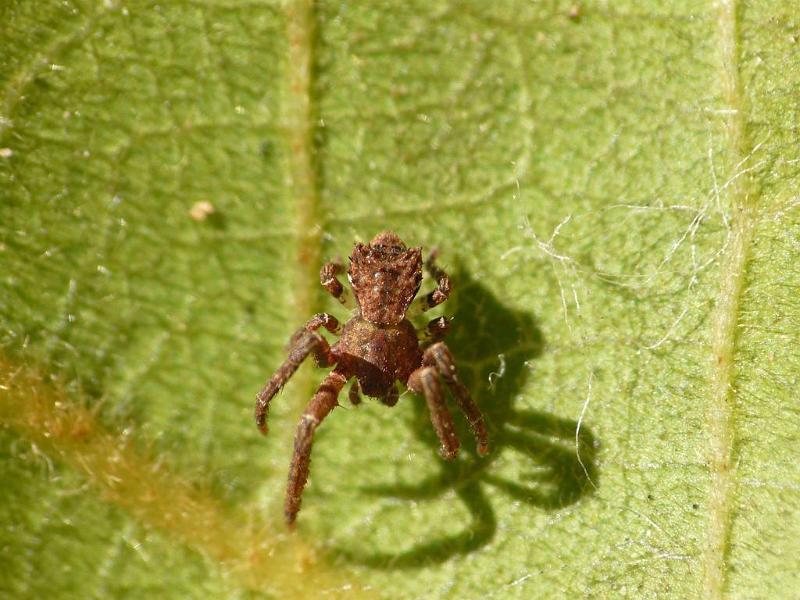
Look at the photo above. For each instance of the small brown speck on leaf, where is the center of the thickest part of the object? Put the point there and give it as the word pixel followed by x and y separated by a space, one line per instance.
pixel 201 210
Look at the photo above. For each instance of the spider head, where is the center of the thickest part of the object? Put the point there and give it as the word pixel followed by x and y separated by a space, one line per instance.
pixel 385 275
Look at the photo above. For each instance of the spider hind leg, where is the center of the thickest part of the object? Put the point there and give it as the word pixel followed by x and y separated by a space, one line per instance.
pixel 435 297
pixel 435 331
pixel 328 277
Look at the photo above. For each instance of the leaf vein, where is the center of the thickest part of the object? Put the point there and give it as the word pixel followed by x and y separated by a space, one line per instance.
pixel 721 409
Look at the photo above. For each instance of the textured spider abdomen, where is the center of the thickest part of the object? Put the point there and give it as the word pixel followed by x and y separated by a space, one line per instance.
pixel 385 276
pixel 377 355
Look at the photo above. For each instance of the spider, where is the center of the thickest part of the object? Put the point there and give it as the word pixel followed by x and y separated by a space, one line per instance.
pixel 377 347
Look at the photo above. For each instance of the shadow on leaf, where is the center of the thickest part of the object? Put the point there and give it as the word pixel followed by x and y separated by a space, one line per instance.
pixel 492 345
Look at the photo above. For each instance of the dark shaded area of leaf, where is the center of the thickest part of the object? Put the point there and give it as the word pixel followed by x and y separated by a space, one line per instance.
pixel 484 330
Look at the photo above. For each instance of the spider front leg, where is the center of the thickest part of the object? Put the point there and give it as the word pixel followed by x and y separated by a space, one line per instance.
pixel 355 393
pixel 437 296
pixel 425 381
pixel 329 280
pixel 302 343
pixel 439 355
pixel 391 397
pixel 320 406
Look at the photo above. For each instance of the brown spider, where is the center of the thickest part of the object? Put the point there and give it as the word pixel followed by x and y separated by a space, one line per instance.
pixel 377 347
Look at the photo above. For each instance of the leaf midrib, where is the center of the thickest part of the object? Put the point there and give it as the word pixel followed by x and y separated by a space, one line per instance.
pixel 298 120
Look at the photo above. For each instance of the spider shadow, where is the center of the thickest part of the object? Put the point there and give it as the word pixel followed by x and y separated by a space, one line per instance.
pixel 493 345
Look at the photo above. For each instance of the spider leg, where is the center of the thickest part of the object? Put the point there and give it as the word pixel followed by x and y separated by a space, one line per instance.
pixel 323 402
pixel 329 280
pixel 355 393
pixel 425 381
pixel 391 397
pixel 302 343
pixel 325 320
pixel 434 331
pixel 322 353
pixel 438 295
pixel 439 355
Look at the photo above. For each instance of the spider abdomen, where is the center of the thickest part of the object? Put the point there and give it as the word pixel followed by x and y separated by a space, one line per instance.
pixel 377 355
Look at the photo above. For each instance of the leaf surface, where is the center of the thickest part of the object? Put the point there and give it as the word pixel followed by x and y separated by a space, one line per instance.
pixel 611 186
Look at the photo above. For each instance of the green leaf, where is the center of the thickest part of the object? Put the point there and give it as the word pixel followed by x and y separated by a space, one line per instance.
pixel 612 187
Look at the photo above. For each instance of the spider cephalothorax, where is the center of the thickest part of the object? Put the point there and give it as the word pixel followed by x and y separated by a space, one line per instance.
pixel 377 347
